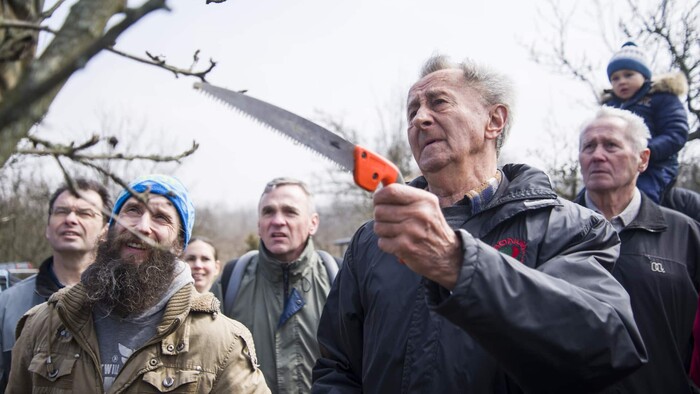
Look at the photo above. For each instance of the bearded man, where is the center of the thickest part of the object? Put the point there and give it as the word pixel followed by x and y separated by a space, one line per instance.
pixel 135 322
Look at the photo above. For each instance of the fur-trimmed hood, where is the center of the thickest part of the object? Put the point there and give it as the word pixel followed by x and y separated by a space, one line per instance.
pixel 675 83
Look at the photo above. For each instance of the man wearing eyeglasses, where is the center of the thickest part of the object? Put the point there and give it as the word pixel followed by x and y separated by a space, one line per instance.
pixel 75 224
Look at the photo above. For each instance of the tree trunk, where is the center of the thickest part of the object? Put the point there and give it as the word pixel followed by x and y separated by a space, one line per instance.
pixel 83 27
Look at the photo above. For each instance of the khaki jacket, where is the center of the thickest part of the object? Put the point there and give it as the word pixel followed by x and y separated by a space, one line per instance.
pixel 195 349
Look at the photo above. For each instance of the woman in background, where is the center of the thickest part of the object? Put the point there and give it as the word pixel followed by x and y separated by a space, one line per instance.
pixel 204 263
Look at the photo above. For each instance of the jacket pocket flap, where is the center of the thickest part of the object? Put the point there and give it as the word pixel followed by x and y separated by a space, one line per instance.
pixel 169 379
pixel 51 368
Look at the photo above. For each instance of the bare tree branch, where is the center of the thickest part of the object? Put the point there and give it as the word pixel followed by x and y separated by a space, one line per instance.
pixel 48 13
pixel 157 61
pixel 17 24
pixel 73 152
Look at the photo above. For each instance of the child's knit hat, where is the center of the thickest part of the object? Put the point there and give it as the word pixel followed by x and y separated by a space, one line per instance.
pixel 629 57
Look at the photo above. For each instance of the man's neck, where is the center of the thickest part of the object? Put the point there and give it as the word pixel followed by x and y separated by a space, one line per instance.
pixel 451 185
pixel 612 203
pixel 69 266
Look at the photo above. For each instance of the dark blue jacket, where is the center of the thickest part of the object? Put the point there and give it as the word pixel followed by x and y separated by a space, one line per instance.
pixel 535 308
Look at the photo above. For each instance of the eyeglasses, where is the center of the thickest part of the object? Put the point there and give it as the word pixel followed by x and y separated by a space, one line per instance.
pixel 86 213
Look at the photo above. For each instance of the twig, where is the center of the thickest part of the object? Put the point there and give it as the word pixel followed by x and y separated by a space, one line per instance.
pixel 48 13
pixel 18 24
pixel 71 152
pixel 158 62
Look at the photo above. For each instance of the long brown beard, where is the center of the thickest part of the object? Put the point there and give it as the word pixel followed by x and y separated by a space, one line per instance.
pixel 123 286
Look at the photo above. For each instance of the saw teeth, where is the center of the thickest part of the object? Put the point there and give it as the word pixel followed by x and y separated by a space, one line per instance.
pixel 270 127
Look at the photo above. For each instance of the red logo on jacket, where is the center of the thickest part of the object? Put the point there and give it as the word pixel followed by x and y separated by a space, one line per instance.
pixel 512 247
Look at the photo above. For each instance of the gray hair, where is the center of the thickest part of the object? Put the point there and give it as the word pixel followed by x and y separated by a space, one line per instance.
pixel 494 87
pixel 636 132
pixel 285 181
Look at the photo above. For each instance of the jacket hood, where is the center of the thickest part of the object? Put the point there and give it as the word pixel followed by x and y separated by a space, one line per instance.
pixel 525 182
pixel 675 83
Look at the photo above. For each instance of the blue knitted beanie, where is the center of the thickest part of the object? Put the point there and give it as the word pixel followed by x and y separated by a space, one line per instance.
pixel 168 187
pixel 629 57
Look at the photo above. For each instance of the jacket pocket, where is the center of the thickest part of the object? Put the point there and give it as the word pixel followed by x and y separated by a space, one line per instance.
pixel 171 380
pixel 52 371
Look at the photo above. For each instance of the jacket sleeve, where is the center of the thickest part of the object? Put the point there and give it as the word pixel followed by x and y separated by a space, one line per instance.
pixel 670 127
pixel 20 380
pixel 339 369
pixel 566 326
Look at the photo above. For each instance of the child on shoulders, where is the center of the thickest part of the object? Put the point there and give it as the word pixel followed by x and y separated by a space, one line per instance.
pixel 657 102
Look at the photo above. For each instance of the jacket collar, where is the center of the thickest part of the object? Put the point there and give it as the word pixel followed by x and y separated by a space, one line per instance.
pixel 674 83
pixel 76 312
pixel 624 218
pixel 272 268
pixel 45 284
pixel 649 218
pixel 522 183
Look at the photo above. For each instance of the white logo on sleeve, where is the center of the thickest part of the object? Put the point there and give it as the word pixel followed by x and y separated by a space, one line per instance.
pixel 657 267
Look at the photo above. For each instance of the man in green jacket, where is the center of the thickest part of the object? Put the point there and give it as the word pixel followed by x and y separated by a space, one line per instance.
pixel 279 290
pixel 135 322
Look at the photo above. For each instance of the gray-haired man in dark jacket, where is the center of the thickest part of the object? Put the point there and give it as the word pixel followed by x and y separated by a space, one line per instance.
pixel 473 278
pixel 659 253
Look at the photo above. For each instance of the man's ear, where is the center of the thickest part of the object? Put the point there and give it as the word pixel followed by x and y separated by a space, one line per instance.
pixel 497 121
pixel 103 233
pixel 644 159
pixel 315 220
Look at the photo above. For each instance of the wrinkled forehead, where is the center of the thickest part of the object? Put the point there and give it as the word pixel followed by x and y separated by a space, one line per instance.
pixel 438 80
pixel 608 127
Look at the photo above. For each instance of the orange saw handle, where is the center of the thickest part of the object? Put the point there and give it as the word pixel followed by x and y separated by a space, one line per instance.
pixel 371 168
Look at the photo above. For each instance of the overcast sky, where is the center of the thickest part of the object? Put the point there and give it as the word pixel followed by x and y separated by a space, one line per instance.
pixel 346 59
